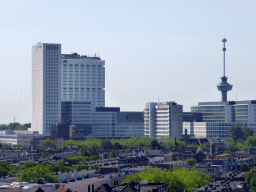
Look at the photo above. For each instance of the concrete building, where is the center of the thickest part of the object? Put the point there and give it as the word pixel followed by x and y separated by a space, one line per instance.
pixel 78 113
pixel 163 120
pixel 219 116
pixel 215 130
pixel 46 106
pixel 129 124
pixel 110 122
pixel 104 121
pixel 83 79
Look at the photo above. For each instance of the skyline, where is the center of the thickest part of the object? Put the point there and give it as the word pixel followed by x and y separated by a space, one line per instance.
pixel 143 43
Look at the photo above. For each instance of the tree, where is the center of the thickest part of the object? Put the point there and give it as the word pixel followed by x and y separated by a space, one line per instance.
pixel 3 127
pixel 89 151
pixel 236 132
pixel 250 179
pixel 46 154
pixel 34 173
pixel 202 146
pixel 92 150
pixel 21 127
pixel 3 171
pixel 118 146
pixel 128 150
pixel 48 143
pixel 178 179
pixel 112 154
pixel 155 145
pixel 232 147
pixel 12 126
pixel 227 152
pixel 247 132
pixel 106 144
pixel 84 151
pixel 174 156
pixel 244 167
pixel 7 147
pixel 191 162
pixel 28 125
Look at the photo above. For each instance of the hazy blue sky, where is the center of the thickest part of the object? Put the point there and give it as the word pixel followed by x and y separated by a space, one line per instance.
pixel 166 49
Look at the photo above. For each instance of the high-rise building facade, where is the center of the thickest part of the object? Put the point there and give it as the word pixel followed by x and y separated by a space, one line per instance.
pixel 83 79
pixel 163 120
pixel 46 101
pixel 78 113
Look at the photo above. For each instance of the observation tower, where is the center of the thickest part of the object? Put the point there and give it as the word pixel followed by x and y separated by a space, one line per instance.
pixel 224 86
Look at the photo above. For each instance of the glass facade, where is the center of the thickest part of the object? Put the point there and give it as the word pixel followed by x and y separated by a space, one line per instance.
pixel 210 113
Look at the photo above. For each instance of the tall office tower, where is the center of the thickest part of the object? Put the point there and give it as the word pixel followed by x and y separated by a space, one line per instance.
pixel 163 120
pixel 83 79
pixel 46 102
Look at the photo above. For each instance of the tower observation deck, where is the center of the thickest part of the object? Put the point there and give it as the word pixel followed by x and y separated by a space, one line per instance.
pixel 224 86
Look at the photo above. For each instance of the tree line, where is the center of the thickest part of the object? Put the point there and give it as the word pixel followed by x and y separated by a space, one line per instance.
pixel 240 139
pixel 15 126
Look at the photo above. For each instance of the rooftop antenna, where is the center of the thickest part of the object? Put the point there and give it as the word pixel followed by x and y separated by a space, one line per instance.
pixel 158 98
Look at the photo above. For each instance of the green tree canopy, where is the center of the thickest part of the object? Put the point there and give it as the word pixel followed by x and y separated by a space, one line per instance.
pixel 3 127
pixel 28 125
pixel 112 154
pixel 236 132
pixel 7 147
pixel 128 150
pixel 191 162
pixel 174 156
pixel 48 143
pixel 154 144
pixel 118 146
pixel 39 171
pixel 250 179
pixel 21 127
pixel 247 132
pixel 106 144
pixel 12 126
pixel 244 167
pixel 178 179
pixel 239 134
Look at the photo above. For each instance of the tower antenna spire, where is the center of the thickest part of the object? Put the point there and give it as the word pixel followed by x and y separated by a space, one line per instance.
pixel 224 50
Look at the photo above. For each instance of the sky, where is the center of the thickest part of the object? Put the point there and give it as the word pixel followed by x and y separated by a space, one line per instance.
pixel 166 50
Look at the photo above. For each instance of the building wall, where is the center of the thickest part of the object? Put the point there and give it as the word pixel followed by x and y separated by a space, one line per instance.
pixel 83 79
pixel 103 124
pixel 10 139
pixel 129 130
pixel 45 86
pixel 78 113
pixel 163 119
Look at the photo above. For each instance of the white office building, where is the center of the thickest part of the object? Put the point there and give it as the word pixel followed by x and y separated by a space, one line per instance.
pixel 83 79
pixel 219 116
pixel 163 120
pixel 46 105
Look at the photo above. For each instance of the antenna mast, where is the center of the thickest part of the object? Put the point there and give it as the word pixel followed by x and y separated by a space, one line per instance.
pixel 224 50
